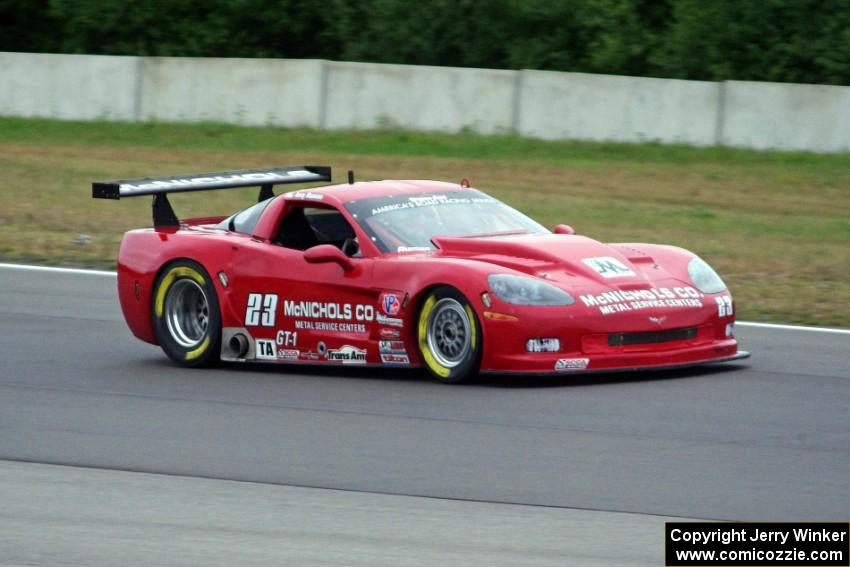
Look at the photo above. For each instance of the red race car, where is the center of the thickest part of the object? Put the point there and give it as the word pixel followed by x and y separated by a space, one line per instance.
pixel 407 274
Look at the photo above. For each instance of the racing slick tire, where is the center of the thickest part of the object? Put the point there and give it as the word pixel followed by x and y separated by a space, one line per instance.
pixel 449 336
pixel 186 314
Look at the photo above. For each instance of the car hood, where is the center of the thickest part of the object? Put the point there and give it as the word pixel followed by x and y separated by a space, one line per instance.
pixel 570 259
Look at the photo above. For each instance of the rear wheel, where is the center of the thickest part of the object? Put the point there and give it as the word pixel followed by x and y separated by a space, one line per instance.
pixel 449 336
pixel 186 314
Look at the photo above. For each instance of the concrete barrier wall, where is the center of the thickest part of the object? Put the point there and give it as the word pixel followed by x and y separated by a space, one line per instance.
pixel 71 87
pixel 324 94
pixel 365 95
pixel 607 107
pixel 786 116
pixel 240 91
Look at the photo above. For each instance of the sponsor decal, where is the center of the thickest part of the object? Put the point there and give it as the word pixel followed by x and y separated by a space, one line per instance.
pixel 395 347
pixel 310 355
pixel 566 364
pixel 619 301
pixel 306 195
pixel 430 201
pixel 608 267
pixel 390 303
pixel 288 353
pixel 324 310
pixel 389 358
pixel 287 338
pixel 255 177
pixel 331 326
pixel 261 310
pixel 390 321
pixel 413 249
pixel 724 306
pixel 543 345
pixel 265 349
pixel 389 333
pixel 347 355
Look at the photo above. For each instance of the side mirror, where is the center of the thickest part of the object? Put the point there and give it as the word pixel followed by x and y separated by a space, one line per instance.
pixel 564 229
pixel 324 253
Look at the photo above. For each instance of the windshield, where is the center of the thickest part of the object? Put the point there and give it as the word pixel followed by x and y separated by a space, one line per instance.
pixel 401 223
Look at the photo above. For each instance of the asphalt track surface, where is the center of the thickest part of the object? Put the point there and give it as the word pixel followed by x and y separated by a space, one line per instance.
pixel 764 439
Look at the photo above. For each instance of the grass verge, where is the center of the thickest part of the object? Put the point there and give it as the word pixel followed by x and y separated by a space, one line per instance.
pixel 776 225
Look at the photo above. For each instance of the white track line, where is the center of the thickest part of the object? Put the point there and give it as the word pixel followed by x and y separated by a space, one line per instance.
pixel 112 274
pixel 792 327
pixel 61 270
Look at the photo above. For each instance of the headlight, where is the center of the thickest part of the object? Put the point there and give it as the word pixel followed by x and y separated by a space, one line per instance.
pixel 519 290
pixel 704 277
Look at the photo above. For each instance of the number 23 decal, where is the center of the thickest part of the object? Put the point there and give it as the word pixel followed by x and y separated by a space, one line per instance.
pixel 261 310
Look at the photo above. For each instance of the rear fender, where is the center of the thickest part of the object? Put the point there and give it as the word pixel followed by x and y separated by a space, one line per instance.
pixel 142 257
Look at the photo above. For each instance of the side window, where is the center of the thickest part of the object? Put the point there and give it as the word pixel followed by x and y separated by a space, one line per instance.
pixel 245 220
pixel 305 227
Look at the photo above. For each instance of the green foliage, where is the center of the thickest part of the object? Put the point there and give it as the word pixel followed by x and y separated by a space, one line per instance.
pixel 805 41
pixel 772 40
pixel 468 33
pixel 215 28
pixel 26 26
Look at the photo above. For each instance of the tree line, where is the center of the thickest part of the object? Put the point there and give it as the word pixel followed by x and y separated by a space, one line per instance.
pixel 805 41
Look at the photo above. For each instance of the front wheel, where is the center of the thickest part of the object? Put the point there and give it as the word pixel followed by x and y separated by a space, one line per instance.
pixel 449 335
pixel 186 314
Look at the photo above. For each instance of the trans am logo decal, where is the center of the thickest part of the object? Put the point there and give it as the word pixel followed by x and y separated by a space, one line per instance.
pixel 347 355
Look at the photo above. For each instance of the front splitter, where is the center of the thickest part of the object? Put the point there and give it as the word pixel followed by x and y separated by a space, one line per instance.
pixel 740 355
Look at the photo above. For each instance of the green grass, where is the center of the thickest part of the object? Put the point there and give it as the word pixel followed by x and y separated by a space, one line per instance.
pixel 775 224
pixel 466 145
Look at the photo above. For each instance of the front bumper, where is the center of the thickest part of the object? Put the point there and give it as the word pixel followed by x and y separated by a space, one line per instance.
pixel 606 350
pixel 670 361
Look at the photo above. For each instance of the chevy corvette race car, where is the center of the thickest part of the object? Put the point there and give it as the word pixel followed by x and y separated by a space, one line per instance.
pixel 407 274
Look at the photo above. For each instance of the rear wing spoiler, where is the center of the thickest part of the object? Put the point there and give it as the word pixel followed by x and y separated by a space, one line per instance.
pixel 160 187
